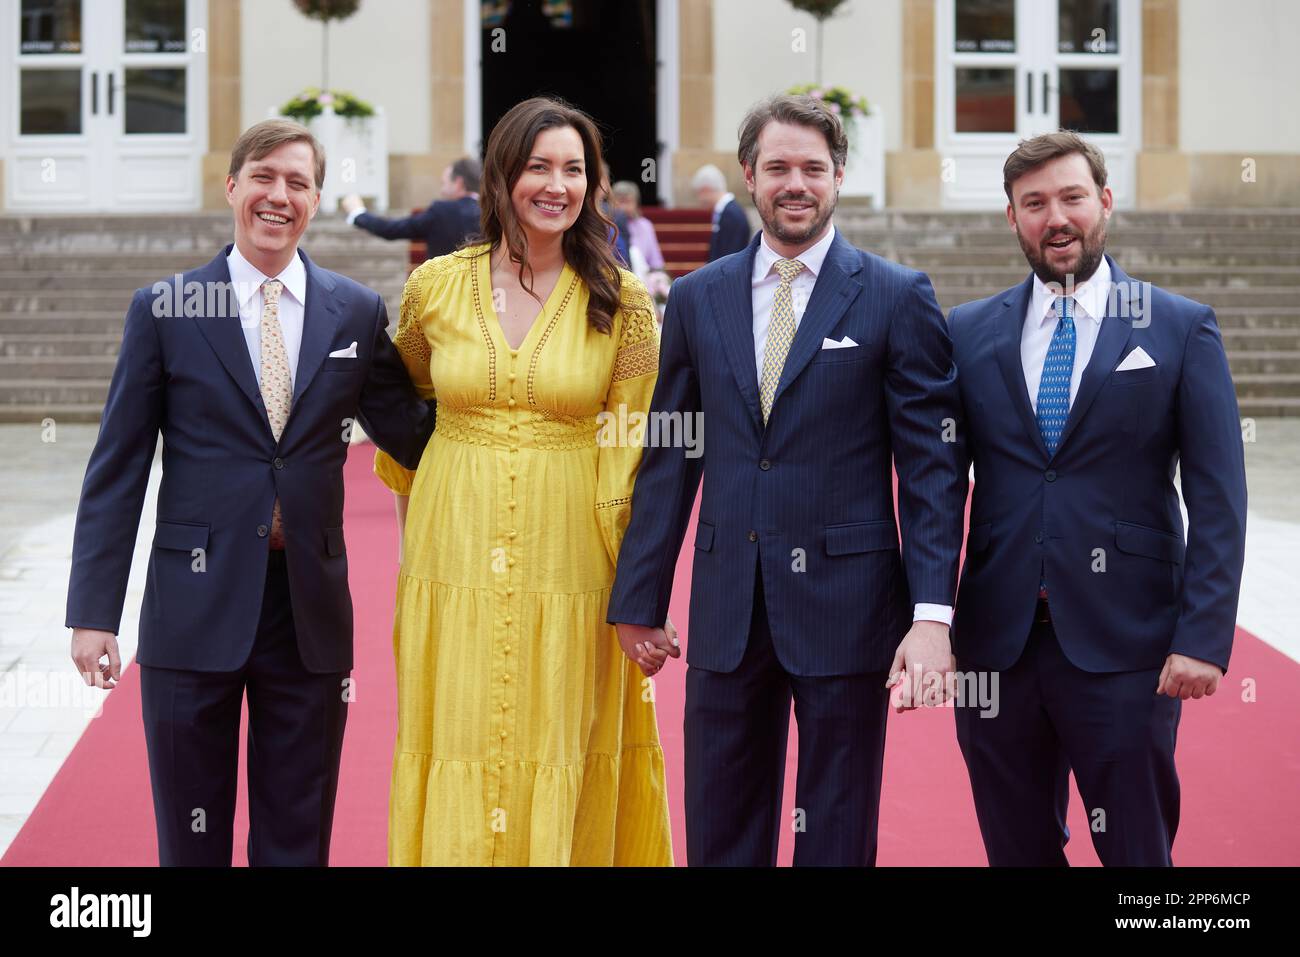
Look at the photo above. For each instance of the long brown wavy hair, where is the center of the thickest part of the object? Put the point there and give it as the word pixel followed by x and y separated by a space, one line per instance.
pixel 587 246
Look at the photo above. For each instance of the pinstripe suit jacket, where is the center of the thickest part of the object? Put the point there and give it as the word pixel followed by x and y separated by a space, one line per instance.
pixel 809 497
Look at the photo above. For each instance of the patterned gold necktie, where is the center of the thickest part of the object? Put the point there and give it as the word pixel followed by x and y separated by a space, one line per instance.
pixel 780 333
pixel 277 384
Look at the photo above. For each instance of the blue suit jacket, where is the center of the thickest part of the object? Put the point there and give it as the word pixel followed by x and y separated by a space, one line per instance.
pixel 810 496
pixel 444 225
pixel 731 233
pixel 1106 499
pixel 190 377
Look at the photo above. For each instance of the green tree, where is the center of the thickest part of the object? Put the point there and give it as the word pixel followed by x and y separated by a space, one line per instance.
pixel 325 11
pixel 822 10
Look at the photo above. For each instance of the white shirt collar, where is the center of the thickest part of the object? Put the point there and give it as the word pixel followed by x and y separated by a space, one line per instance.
pixel 812 258
pixel 1090 297
pixel 248 279
pixel 722 202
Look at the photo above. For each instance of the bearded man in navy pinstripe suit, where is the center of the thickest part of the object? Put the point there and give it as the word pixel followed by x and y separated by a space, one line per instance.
pixel 816 369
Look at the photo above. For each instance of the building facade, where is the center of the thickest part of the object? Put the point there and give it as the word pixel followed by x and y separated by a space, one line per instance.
pixel 131 106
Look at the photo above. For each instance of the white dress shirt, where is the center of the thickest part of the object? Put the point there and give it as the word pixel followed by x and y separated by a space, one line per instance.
pixel 1040 324
pixel 763 285
pixel 720 205
pixel 247 280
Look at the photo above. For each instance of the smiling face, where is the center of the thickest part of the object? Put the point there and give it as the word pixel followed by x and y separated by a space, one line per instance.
pixel 274 198
pixel 547 198
pixel 794 185
pixel 1059 217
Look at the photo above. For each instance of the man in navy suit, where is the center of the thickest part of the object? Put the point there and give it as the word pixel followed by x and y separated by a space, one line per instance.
pixel 252 368
pixel 443 225
pixel 1084 391
pixel 731 232
pixel 816 369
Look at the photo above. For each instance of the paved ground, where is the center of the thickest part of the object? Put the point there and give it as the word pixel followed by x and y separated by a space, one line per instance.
pixel 44 708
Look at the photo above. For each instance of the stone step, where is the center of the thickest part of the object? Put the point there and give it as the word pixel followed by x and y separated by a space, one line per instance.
pixel 1264 362
pixel 32 345
pixel 63 412
pixel 1267 385
pixel 1269 408
pixel 37 393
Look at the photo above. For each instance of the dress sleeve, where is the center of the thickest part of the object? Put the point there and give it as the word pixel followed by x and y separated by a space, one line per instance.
pixel 632 383
pixel 413 347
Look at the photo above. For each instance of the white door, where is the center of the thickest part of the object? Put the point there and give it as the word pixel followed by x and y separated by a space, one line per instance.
pixel 108 105
pixel 1011 69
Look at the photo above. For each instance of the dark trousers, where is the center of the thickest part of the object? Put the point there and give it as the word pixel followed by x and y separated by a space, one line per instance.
pixel 295 739
pixel 1114 732
pixel 736 726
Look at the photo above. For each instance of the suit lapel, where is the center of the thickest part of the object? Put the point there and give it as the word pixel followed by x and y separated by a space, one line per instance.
pixel 1113 336
pixel 223 330
pixel 319 323
pixel 1010 328
pixel 733 304
pixel 835 288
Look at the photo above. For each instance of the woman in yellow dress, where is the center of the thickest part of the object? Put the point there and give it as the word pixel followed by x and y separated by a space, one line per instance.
pixel 526 735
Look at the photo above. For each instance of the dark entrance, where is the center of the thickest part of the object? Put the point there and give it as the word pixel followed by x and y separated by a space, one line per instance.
pixel 597 54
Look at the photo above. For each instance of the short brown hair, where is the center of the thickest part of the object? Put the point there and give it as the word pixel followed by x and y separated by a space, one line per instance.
pixel 262 139
pixel 1033 153
pixel 799 109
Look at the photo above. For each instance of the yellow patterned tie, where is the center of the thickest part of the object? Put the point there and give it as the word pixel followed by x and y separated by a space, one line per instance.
pixel 277 385
pixel 780 333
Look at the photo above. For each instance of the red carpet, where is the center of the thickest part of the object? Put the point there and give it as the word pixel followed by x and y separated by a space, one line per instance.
pixel 1239 761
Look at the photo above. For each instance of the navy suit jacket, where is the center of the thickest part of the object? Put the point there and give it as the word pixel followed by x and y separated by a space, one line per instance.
pixel 731 233
pixel 809 497
pixel 190 377
pixel 1100 519
pixel 444 225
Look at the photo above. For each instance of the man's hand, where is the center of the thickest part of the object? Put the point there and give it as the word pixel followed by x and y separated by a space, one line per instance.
pixel 88 646
pixel 924 658
pixel 649 648
pixel 351 203
pixel 1184 677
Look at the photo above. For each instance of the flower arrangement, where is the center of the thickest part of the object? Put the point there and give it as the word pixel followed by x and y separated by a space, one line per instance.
pixel 311 103
pixel 837 99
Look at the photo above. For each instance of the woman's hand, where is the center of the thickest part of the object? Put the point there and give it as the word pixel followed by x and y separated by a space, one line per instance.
pixel 649 648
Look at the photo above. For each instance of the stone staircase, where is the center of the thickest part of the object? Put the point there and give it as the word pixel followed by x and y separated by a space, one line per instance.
pixel 65 283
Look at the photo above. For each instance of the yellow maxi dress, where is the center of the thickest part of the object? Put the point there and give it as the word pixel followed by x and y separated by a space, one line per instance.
pixel 524 736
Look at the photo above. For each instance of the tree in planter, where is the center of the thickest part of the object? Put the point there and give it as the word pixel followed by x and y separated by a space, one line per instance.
pixel 325 11
pixel 822 10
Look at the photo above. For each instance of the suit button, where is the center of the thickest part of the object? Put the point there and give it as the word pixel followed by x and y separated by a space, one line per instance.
pixel 1038 539
pixel 753 535
pixel 765 465
pixel 263 531
pixel 278 463
pixel 1050 475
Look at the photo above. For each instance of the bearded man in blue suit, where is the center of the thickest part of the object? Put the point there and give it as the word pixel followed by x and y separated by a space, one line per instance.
pixel 1084 392
pixel 816 369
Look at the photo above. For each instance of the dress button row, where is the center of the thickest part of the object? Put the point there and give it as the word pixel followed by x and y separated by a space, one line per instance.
pixel 513 377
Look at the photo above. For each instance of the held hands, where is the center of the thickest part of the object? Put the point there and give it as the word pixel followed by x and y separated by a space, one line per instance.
pixel 88 646
pixel 351 203
pixel 649 648
pixel 924 657
pixel 1184 677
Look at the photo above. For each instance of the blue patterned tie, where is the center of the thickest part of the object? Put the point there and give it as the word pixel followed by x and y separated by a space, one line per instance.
pixel 1054 387
pixel 1058 369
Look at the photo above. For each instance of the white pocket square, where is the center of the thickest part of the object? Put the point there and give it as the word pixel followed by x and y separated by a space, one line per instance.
pixel 349 353
pixel 1137 359
pixel 844 343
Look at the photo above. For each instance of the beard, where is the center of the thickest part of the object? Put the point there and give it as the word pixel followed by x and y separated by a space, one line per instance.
pixel 794 235
pixel 1091 248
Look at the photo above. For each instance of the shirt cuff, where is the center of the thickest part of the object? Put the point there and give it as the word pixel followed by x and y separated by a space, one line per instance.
pixel 352 216
pixel 939 613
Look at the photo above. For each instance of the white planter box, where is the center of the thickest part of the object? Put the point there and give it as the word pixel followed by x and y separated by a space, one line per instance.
pixel 864 173
pixel 356 157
